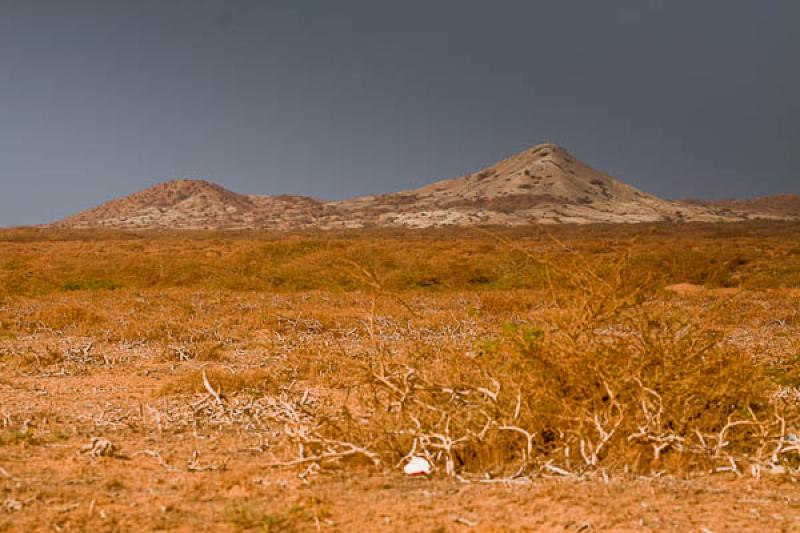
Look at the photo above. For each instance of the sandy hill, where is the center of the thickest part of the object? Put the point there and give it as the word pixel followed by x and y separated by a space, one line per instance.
pixel 544 184
pixel 194 204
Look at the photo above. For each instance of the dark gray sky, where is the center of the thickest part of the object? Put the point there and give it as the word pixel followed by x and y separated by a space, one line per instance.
pixel 332 99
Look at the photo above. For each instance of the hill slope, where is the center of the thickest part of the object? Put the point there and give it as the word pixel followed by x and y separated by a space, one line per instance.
pixel 544 184
pixel 194 204
pixel 778 207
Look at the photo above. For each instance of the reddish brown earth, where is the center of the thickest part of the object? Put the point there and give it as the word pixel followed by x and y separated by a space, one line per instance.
pixel 166 475
pixel 106 425
pixel 152 484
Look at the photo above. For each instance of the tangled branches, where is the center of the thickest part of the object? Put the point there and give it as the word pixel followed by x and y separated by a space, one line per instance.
pixel 600 382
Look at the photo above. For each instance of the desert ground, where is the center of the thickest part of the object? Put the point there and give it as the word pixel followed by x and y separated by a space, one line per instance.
pixel 640 377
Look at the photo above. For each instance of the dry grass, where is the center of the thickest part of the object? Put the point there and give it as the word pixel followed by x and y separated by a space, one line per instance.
pixel 38 262
pixel 502 356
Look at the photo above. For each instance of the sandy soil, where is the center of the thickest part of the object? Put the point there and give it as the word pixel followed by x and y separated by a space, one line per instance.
pixel 203 480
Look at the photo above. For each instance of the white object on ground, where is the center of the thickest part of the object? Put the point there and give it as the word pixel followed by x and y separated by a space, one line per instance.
pixel 417 466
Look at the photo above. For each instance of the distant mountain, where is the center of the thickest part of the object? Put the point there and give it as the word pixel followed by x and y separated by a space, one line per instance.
pixel 778 207
pixel 544 184
pixel 195 204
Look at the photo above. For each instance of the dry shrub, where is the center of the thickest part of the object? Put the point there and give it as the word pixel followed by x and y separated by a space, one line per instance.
pixel 594 370
pixel 198 351
pixel 30 437
pixel 605 380
pixel 48 357
pixel 68 316
pixel 43 262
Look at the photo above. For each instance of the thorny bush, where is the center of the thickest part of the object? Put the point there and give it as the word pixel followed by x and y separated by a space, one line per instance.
pixel 604 380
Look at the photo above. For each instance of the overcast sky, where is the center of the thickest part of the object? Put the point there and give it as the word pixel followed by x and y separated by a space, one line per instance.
pixel 682 98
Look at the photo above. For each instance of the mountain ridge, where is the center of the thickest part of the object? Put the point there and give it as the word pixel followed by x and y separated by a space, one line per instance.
pixel 543 184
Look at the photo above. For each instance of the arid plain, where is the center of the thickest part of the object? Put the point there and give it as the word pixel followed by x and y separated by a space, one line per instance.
pixel 564 378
